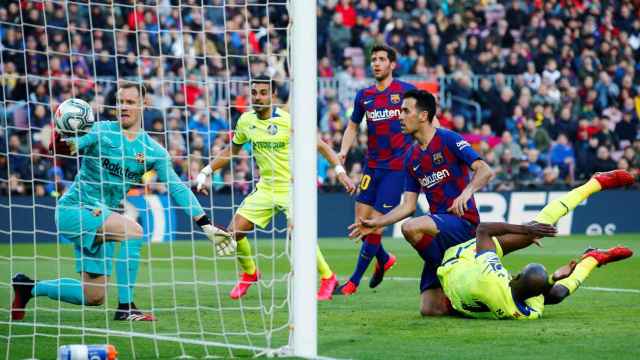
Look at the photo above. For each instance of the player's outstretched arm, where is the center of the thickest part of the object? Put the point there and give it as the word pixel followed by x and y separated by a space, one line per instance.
pixel 486 231
pixel 482 174
pixel 220 161
pixel 366 226
pixel 328 153
pixel 186 199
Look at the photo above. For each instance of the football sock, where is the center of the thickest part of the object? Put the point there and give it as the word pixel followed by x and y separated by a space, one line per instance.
pixel 67 290
pixel 368 250
pixel 579 274
pixel 323 268
pixel 127 265
pixel 382 255
pixel 422 246
pixel 244 256
pixel 561 206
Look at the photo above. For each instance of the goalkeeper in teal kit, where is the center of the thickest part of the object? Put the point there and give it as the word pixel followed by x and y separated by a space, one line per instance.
pixel 115 155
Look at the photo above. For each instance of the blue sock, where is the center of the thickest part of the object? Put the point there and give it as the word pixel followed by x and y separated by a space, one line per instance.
pixel 382 255
pixel 368 250
pixel 67 290
pixel 127 265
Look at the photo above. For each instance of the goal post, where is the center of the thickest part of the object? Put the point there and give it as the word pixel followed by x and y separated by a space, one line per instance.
pixel 303 59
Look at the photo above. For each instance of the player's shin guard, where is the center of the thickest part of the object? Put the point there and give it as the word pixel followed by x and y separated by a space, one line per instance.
pixel 579 274
pixel 368 251
pixel 323 267
pixel 127 265
pixel 66 290
pixel 561 206
pixel 244 257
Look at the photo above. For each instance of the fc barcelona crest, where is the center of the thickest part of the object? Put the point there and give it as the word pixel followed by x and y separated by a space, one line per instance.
pixel 140 158
pixel 438 158
pixel 272 129
pixel 395 98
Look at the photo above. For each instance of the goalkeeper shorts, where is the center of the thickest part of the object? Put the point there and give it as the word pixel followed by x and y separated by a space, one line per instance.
pixel 262 205
pixel 79 224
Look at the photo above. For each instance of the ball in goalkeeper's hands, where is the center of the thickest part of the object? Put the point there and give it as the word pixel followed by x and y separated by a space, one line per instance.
pixel 73 116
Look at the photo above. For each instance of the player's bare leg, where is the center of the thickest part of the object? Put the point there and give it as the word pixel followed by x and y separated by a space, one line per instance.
pixel 118 228
pixel 420 232
pixel 239 227
pixel 433 302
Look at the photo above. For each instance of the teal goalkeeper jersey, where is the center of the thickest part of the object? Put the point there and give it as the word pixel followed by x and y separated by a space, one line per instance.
pixel 111 164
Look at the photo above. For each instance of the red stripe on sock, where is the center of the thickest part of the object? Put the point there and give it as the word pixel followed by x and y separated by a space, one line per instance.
pixel 423 243
pixel 373 239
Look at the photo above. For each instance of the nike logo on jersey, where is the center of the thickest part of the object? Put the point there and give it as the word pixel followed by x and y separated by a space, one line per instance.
pixel 415 168
pixel 387 206
pixel 366 102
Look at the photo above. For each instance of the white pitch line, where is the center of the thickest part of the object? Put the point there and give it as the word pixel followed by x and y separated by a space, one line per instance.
pixel 592 288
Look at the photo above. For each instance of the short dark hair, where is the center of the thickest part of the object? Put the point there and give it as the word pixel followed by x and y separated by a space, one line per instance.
pixel 264 79
pixel 391 52
pixel 425 101
pixel 142 90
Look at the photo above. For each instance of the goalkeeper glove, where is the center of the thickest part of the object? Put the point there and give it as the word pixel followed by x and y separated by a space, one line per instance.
pixel 223 241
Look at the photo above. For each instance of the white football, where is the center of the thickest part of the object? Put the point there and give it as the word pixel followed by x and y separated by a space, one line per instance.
pixel 73 115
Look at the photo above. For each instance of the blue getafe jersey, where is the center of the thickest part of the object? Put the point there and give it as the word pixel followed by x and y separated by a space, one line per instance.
pixel 111 164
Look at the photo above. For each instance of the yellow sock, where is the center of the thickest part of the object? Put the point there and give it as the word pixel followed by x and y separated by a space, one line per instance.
pixel 579 274
pixel 244 257
pixel 323 268
pixel 561 206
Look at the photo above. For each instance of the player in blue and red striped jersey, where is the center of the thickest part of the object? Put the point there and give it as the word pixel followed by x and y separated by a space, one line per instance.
pixel 438 164
pixel 383 178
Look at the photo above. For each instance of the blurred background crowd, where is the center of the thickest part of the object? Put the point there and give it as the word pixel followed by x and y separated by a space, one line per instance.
pixel 546 91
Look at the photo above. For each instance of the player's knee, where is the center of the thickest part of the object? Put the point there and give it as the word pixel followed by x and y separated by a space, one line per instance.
pixel 410 231
pixel 135 231
pixel 93 297
pixel 428 310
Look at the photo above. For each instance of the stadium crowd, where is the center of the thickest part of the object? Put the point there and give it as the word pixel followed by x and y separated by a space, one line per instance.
pixel 549 89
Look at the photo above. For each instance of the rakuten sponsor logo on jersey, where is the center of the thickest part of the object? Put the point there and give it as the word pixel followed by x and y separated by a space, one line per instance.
pixel 432 180
pixel 115 169
pixel 382 114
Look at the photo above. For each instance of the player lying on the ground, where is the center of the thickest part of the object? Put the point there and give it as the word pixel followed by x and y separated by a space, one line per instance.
pixel 479 286
pixel 383 177
pixel 437 164
pixel 115 155
pixel 268 129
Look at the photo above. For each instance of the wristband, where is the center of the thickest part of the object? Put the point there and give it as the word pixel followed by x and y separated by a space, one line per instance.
pixel 206 170
pixel 550 280
pixel 340 169
pixel 204 220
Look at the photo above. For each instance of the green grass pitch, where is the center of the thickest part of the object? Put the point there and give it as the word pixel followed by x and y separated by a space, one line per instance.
pixel 373 324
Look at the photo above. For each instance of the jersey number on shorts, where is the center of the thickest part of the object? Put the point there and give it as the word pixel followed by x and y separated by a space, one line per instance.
pixel 364 183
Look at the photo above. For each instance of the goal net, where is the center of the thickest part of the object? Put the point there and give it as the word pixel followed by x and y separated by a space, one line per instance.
pixel 196 59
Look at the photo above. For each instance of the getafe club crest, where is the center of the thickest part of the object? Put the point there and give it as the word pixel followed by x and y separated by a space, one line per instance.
pixel 272 129
pixel 395 98
pixel 438 158
pixel 140 158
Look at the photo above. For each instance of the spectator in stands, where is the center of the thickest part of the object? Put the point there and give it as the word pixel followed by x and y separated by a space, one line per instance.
pixel 562 157
pixel 603 160
pixel 507 143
